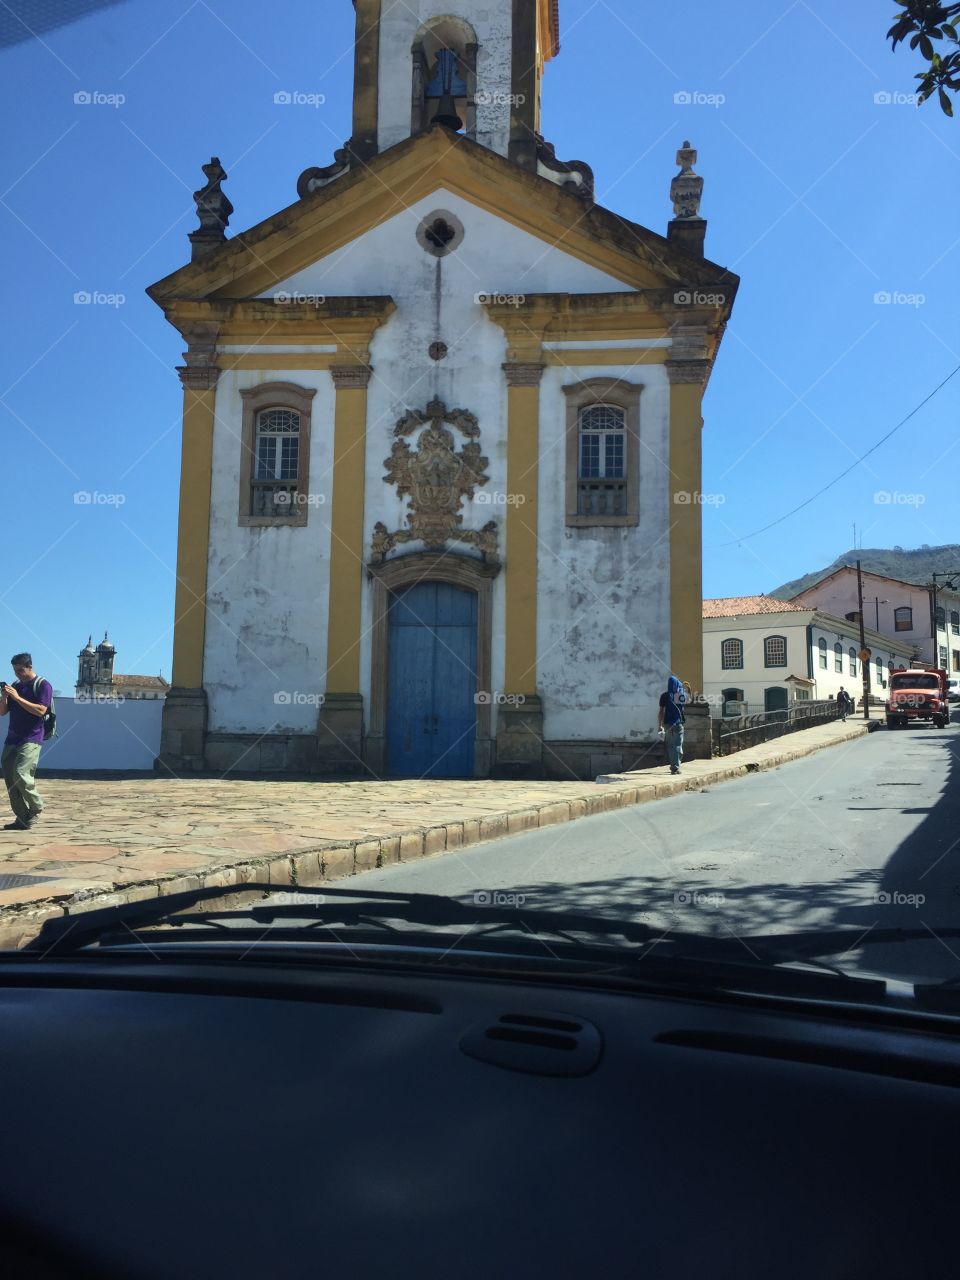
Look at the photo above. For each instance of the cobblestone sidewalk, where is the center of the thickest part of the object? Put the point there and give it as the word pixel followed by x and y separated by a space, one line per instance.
pixel 103 841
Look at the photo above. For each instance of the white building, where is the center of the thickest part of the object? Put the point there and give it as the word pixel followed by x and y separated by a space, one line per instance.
pixel 439 507
pixel 761 654
pixel 900 610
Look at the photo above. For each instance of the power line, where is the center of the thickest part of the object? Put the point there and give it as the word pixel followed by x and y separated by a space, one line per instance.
pixel 853 465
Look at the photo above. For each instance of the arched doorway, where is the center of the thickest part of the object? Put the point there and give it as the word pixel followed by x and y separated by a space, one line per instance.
pixel 431 656
pixel 775 698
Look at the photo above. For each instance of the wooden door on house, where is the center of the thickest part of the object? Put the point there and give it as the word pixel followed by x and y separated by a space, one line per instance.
pixel 432 682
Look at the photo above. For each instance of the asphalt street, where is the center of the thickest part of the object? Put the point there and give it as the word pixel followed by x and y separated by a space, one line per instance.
pixel 864 835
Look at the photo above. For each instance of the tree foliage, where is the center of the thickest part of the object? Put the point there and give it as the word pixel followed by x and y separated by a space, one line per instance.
pixel 927 24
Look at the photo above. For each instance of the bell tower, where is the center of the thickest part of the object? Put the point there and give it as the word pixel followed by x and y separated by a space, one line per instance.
pixel 474 66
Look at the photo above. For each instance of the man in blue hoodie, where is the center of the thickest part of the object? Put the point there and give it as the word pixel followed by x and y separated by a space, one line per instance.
pixel 670 721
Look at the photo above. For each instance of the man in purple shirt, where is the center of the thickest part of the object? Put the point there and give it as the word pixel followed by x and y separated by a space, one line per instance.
pixel 27 705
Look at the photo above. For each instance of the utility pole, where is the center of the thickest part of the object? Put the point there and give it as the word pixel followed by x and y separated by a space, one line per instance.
pixel 864 653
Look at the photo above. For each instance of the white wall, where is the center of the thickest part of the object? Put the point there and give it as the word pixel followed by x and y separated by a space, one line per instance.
pixel 399 23
pixel 838 596
pixel 104 735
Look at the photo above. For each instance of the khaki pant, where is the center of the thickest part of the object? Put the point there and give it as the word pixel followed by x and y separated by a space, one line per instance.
pixel 19 773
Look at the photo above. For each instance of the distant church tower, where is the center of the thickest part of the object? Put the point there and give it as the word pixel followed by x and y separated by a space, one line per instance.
pixel 441 466
pixel 95 674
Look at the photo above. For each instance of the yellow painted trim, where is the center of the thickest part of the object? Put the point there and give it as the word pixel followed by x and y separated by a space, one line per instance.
pixel 523 433
pixel 686 534
pixel 346 541
pixel 264 360
pixel 400 177
pixel 193 538
pixel 629 359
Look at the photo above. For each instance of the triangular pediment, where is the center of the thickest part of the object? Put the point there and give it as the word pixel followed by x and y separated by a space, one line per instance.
pixel 312 229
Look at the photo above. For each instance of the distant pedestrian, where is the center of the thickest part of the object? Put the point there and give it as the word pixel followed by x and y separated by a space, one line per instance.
pixel 27 700
pixel 670 722
pixel 844 704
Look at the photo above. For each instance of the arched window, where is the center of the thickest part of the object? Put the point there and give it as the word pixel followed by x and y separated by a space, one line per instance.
pixel 852 656
pixel 603 457
pixel 838 658
pixel 822 646
pixel 890 667
pixel 955 622
pixel 775 651
pixel 903 619
pixel 732 702
pixel 731 655
pixel 274 480
pixel 879 671
pixel 444 61
pixel 941 618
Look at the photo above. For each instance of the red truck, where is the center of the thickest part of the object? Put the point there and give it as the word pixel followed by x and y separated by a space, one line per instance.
pixel 918 694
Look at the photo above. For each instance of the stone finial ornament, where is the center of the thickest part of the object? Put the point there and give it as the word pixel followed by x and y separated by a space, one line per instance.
pixel 686 189
pixel 213 210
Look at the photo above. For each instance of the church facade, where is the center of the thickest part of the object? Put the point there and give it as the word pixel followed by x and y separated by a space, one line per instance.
pixel 439 504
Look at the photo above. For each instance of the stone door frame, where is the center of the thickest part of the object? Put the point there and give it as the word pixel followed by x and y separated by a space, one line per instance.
pixel 408 571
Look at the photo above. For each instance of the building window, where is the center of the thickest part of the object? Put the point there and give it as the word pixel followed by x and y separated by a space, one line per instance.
pixel 890 667
pixel 275 454
pixel 731 655
pixel 775 651
pixel 943 656
pixel 852 617
pixel 903 619
pixel 838 658
pixel 732 702
pixel 941 618
pixel 852 655
pixel 955 622
pixel 603 452
pixel 802 695
pixel 956 659
pixel 879 672
pixel 822 646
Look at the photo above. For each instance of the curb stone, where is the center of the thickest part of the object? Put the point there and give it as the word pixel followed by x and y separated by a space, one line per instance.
pixel 333 861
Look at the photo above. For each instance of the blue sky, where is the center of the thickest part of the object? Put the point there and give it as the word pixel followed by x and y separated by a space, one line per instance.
pixel 819 196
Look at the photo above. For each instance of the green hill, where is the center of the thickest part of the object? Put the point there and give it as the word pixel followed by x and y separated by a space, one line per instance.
pixel 910 566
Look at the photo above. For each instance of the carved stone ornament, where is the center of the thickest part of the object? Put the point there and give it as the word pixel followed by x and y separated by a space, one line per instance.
pixel 320 176
pixel 572 175
pixel 686 190
pixel 213 207
pixel 436 478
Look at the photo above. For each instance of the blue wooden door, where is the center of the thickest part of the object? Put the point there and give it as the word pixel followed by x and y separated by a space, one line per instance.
pixel 432 682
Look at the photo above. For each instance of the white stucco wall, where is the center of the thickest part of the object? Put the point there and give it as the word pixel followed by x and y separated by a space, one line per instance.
pixel 491 20
pixel 104 735
pixel 603 628
pixel 267 588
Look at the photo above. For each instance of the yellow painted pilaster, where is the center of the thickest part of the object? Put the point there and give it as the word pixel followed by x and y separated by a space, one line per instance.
pixel 687 379
pixel 193 538
pixel 346 528
pixel 523 437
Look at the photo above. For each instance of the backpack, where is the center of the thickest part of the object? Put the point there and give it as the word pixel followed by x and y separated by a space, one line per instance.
pixel 50 719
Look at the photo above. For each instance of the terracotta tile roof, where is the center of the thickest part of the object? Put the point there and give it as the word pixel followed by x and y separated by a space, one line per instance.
pixel 141 682
pixel 739 606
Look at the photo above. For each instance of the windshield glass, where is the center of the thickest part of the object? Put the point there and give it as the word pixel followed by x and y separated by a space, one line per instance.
pixel 429 513
pixel 915 682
